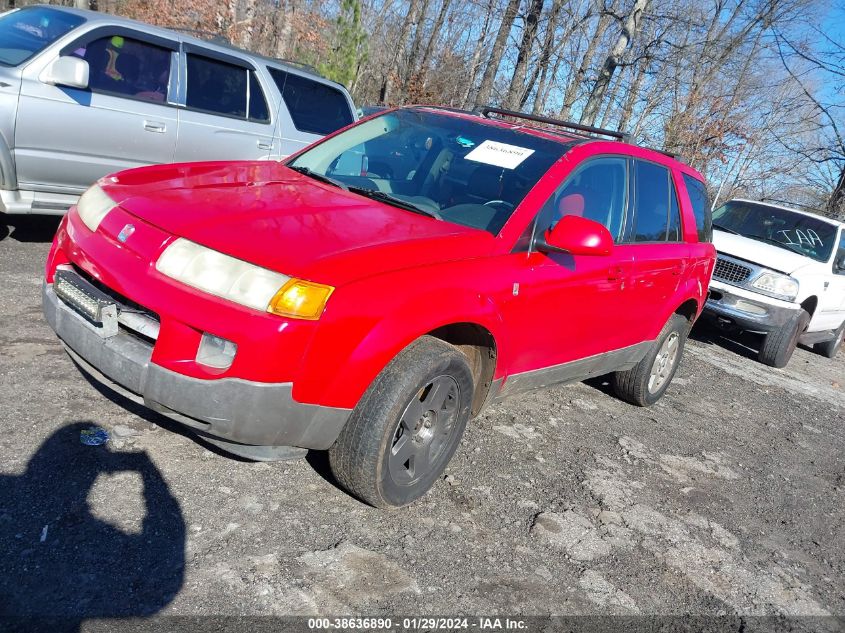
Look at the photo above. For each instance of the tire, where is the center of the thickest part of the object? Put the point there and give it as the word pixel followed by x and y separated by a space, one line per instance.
pixel 640 385
pixel 829 348
pixel 779 345
pixel 424 395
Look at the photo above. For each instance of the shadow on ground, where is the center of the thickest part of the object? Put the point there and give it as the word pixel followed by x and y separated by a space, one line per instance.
pixel 59 561
pixel 29 228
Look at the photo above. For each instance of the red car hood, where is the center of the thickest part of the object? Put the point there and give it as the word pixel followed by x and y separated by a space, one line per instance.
pixel 269 215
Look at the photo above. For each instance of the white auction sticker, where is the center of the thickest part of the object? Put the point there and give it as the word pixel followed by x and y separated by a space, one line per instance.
pixel 499 154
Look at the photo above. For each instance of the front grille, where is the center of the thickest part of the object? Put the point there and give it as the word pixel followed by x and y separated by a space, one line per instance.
pixel 730 271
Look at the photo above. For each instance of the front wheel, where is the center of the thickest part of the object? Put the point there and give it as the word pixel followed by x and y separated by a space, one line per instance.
pixel 647 381
pixel 829 348
pixel 406 427
pixel 779 345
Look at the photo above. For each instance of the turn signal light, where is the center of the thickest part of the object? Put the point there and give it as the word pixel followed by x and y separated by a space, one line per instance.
pixel 300 299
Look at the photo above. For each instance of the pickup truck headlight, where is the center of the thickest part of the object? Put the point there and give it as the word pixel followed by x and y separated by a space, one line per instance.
pixel 241 282
pixel 93 206
pixel 777 285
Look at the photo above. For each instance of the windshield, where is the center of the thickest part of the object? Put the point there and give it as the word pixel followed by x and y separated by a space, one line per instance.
pixel 26 32
pixel 463 171
pixel 796 232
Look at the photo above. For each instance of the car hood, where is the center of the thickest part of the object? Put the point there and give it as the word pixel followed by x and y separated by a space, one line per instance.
pixel 267 214
pixel 758 252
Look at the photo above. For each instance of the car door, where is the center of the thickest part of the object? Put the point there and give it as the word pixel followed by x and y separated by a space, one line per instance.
pixel 661 256
pixel 66 138
pixel 564 308
pixel 226 114
pixel 832 301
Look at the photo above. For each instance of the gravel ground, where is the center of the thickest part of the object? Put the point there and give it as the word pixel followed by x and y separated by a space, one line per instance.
pixel 725 498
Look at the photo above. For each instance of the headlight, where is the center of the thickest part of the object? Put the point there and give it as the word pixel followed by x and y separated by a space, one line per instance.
pixel 777 285
pixel 93 206
pixel 241 282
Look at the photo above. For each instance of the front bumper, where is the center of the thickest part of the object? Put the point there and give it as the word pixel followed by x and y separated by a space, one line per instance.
pixel 747 310
pixel 241 416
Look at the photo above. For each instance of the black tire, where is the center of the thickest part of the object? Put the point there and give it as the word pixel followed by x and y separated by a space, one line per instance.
pixel 779 345
pixel 829 348
pixel 635 385
pixel 360 459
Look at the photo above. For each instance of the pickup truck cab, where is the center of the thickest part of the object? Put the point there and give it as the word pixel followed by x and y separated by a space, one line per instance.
pixel 84 94
pixel 321 304
pixel 780 272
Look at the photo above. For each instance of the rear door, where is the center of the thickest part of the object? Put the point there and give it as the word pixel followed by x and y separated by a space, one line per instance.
pixel 832 301
pixel 227 115
pixel 311 109
pixel 661 256
pixel 67 138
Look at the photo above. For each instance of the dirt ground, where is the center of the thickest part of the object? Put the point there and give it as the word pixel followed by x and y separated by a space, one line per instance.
pixel 725 498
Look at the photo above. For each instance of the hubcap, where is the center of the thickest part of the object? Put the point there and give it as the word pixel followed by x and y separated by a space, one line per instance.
pixel 664 362
pixel 423 431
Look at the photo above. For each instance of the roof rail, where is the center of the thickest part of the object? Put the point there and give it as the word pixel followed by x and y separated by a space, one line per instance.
pixel 622 136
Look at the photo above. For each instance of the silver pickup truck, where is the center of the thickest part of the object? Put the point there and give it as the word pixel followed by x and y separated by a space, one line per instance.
pixel 84 94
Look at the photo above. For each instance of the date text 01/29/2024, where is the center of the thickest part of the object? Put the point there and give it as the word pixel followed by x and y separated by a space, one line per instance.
pixel 418 623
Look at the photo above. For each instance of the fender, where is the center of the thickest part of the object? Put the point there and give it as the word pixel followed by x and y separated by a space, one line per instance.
pixel 346 354
pixel 690 288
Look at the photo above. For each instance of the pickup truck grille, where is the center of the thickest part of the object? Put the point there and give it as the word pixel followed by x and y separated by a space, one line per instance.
pixel 730 271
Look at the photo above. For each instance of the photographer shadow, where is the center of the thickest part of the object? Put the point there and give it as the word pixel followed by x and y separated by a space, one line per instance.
pixel 60 564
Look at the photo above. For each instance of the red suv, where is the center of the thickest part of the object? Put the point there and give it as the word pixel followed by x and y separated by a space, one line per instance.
pixel 373 293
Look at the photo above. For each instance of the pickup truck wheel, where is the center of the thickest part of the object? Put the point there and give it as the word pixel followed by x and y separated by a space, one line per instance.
pixel 829 348
pixel 778 346
pixel 646 382
pixel 406 427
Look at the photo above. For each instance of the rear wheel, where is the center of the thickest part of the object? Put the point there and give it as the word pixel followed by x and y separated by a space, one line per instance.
pixel 779 345
pixel 647 381
pixel 829 348
pixel 406 427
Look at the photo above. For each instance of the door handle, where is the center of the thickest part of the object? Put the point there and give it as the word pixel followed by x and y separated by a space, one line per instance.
pixel 614 273
pixel 155 126
pixel 268 145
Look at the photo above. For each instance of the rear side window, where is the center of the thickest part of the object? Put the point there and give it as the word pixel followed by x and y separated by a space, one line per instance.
pixel 656 216
pixel 127 67
pixel 218 87
pixel 700 207
pixel 315 107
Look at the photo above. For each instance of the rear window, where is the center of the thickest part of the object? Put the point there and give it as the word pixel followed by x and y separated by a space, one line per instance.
pixel 700 207
pixel 27 32
pixel 315 107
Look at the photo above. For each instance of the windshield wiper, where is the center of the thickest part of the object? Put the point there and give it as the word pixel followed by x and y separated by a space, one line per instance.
pixel 305 171
pixel 724 228
pixel 381 196
pixel 784 245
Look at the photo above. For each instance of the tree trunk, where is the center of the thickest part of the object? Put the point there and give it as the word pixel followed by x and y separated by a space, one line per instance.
pixel 81 4
pixel 435 33
pixel 486 88
pixel 514 100
pixel 633 93
pixel 623 42
pixel 476 55
pixel 392 69
pixel 416 45
pixel 541 68
pixel 836 202
pixel 284 27
pixel 575 82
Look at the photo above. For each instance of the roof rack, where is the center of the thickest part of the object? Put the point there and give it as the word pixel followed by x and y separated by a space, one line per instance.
pixel 486 111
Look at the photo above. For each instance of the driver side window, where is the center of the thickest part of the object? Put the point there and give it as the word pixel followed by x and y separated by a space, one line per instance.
pixel 597 190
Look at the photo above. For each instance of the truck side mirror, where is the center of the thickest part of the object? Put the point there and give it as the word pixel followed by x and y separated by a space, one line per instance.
pixel 577 236
pixel 68 71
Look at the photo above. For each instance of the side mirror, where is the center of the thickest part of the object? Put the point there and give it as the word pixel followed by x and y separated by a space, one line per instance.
pixel 839 264
pixel 67 71
pixel 577 236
